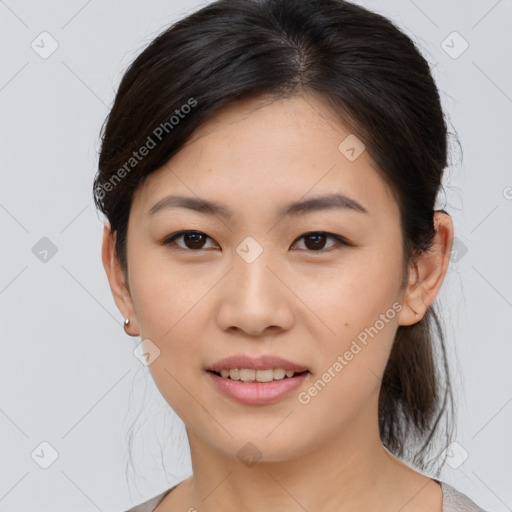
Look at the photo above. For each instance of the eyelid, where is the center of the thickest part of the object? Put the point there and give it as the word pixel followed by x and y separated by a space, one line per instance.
pixel 341 241
pixel 169 240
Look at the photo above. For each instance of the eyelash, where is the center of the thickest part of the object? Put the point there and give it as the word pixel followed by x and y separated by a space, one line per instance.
pixel 170 240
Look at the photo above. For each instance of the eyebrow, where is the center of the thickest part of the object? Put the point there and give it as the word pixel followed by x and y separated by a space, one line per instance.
pixel 324 202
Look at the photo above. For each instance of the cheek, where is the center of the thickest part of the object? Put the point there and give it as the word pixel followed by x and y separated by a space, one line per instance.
pixel 356 292
pixel 170 306
pixel 358 303
pixel 166 296
pixel 353 359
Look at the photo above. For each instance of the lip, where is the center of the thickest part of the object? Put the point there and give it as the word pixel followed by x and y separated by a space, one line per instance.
pixel 257 393
pixel 262 362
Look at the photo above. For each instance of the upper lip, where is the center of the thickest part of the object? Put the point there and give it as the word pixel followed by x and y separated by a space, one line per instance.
pixel 262 362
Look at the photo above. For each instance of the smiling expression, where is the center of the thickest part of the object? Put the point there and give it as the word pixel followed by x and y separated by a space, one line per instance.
pixel 298 251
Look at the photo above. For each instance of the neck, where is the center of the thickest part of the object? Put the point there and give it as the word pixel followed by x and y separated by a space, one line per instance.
pixel 350 471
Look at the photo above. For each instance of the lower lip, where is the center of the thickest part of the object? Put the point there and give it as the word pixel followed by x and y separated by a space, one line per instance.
pixel 257 393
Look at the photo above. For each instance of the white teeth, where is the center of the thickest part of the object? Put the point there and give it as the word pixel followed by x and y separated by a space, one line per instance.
pixel 279 374
pixel 248 375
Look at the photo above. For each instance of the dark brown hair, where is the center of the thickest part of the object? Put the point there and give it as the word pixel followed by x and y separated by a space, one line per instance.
pixel 376 81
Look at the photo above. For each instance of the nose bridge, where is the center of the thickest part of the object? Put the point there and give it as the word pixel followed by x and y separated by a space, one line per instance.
pixel 256 298
pixel 254 279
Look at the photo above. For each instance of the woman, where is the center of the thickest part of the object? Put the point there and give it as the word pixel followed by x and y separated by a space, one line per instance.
pixel 269 172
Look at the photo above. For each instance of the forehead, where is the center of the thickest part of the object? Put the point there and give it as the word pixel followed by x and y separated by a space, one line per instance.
pixel 259 152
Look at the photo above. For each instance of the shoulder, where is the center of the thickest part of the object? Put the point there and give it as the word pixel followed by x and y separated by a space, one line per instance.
pixel 150 505
pixel 455 501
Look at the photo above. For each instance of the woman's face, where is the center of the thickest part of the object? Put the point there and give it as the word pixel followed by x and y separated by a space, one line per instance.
pixel 252 284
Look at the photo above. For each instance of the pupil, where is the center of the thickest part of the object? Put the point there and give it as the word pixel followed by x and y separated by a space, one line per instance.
pixel 188 239
pixel 316 245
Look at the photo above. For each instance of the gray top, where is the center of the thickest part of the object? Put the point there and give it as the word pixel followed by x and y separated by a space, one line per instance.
pixel 453 501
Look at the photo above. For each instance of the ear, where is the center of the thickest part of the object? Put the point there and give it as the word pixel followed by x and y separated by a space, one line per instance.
pixel 118 281
pixel 428 273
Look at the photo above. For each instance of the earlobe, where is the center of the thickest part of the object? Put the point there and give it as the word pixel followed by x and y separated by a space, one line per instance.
pixel 117 280
pixel 428 273
pixel 414 306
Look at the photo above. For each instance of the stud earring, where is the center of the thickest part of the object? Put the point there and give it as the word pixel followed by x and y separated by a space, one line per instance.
pixel 126 323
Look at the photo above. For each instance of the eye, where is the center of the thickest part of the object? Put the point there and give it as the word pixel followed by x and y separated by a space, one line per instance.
pixel 317 240
pixel 194 240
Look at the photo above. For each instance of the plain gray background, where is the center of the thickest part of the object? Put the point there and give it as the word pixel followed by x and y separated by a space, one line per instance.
pixel 69 377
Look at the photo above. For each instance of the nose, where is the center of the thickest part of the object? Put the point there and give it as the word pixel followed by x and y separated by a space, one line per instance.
pixel 255 298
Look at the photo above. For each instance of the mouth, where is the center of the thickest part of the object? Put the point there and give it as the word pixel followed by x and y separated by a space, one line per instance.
pixel 256 380
pixel 247 390
pixel 258 376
